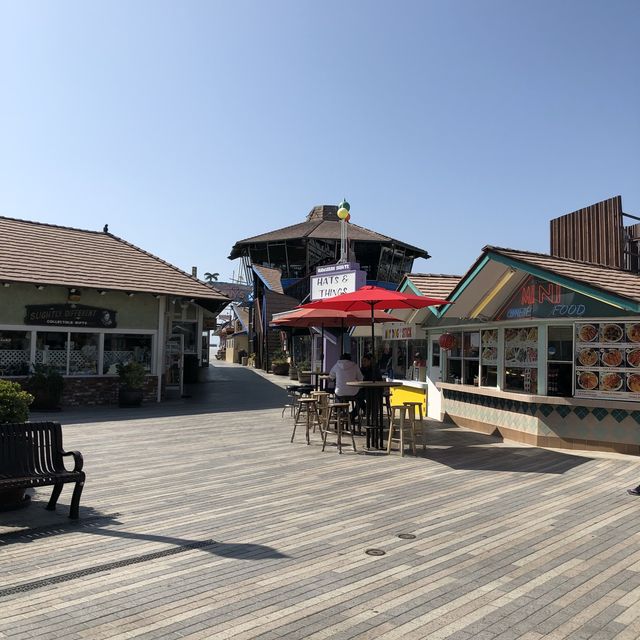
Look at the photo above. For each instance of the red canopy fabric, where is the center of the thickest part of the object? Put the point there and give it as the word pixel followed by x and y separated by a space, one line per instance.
pixel 310 317
pixel 369 297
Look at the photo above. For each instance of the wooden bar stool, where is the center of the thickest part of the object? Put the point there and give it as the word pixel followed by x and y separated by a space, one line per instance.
pixel 338 415
pixel 417 423
pixel 293 392
pixel 399 421
pixel 307 417
pixel 322 400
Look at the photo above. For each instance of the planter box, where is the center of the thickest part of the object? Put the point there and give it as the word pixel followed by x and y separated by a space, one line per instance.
pixel 130 397
pixel 280 369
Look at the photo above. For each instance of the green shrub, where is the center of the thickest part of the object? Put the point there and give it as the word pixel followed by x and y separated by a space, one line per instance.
pixel 279 357
pixel 14 402
pixel 46 384
pixel 132 375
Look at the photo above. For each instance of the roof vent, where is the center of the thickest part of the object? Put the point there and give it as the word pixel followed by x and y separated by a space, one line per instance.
pixel 324 212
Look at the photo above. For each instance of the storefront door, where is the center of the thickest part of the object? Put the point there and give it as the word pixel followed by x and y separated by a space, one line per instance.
pixel 174 364
pixel 434 398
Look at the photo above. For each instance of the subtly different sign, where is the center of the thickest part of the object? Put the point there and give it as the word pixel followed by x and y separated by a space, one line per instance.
pixel 393 331
pixel 336 279
pixel 209 324
pixel 337 268
pixel 70 315
pixel 537 298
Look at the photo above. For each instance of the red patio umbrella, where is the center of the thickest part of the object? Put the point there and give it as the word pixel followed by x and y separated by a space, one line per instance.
pixel 303 317
pixel 370 298
pixel 326 318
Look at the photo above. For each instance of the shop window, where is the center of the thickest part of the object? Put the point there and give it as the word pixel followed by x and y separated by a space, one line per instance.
pixel 15 353
pixel 463 358
pixel 385 360
pixel 83 354
pixel 435 353
pixel 417 369
pixel 560 361
pixel 521 359
pixel 188 330
pixel 51 350
pixel 489 358
pixel 122 348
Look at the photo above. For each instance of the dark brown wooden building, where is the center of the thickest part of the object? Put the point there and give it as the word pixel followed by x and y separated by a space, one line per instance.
pixel 279 264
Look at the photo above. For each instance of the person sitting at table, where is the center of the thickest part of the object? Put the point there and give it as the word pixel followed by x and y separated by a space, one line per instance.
pixel 368 375
pixel 343 371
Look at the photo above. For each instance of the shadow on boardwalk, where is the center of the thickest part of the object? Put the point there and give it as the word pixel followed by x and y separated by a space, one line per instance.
pixel 462 449
pixel 224 388
pixel 95 522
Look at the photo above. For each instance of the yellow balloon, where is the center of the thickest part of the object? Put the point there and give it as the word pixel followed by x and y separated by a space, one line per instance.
pixel 342 213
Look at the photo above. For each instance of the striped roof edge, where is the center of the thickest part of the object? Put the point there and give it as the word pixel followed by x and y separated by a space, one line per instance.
pixel 609 280
pixel 435 285
pixel 48 254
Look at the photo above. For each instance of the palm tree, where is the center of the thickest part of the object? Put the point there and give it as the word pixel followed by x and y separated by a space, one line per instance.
pixel 211 277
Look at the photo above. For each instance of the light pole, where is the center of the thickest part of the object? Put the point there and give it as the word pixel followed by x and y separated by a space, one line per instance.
pixel 343 214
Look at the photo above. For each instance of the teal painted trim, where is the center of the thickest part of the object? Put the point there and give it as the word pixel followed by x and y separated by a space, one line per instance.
pixel 462 286
pixel 409 285
pixel 566 282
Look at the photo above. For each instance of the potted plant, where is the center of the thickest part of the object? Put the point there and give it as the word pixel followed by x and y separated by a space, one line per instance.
pixel 304 378
pixel 14 407
pixel 280 363
pixel 131 391
pixel 46 385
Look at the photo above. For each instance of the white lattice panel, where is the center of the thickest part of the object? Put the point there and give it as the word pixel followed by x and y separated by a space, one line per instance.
pixel 57 358
pixel 117 357
pixel 11 357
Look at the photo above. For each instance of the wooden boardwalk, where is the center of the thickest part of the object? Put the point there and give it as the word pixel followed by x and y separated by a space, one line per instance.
pixel 200 520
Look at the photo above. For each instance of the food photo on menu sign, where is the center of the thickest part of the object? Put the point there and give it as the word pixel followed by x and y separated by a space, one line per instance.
pixel 612 349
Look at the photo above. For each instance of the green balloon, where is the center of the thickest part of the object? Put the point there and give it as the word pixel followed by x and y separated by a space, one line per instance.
pixel 344 205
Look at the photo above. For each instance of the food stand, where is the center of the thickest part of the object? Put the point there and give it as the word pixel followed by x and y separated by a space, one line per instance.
pixel 544 357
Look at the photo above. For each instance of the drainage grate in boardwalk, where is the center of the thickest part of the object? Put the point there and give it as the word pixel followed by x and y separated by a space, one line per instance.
pixel 406 536
pixel 66 577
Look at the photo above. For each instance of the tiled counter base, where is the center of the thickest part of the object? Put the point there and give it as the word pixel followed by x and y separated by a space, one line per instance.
pixel 545 421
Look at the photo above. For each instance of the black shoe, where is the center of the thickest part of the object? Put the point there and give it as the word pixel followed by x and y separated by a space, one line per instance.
pixel 634 492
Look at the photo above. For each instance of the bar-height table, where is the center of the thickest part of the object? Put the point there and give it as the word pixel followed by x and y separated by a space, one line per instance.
pixel 374 398
pixel 316 376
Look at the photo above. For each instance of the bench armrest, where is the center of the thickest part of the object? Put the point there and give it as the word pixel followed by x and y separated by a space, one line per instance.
pixel 77 458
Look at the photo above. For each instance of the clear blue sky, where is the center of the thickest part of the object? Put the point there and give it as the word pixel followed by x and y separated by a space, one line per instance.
pixel 188 125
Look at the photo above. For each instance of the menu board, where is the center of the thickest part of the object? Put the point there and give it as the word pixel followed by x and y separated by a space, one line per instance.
pixel 490 347
pixel 521 347
pixel 607 359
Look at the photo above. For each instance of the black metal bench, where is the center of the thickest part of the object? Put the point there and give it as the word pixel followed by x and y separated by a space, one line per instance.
pixel 31 455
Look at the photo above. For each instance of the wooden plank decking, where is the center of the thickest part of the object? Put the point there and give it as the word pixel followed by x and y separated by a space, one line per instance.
pixel 200 520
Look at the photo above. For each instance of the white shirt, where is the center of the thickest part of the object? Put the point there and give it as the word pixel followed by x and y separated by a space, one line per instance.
pixel 345 371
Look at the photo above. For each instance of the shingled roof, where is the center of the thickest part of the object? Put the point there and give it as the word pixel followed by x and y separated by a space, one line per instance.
pixel 272 278
pixel 39 253
pixel 615 281
pixel 322 224
pixel 434 285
